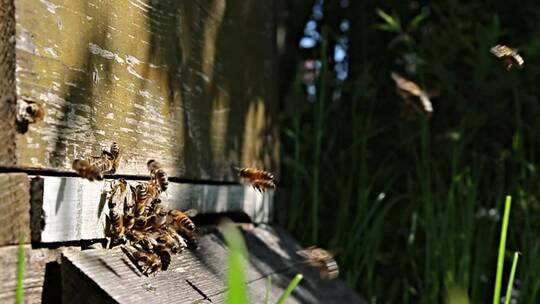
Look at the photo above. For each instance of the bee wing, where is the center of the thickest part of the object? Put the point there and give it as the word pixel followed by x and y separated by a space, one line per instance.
pixel 406 85
pixel 501 50
pixel 191 212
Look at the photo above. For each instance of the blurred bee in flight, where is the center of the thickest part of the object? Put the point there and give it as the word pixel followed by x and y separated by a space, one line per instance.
pixel 509 55
pixel 321 259
pixel 28 112
pixel 413 95
pixel 260 180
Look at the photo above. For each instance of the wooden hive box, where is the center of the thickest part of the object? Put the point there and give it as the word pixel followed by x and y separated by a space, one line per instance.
pixel 188 83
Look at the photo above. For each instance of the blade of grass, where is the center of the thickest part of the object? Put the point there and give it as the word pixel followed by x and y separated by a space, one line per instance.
pixel 19 291
pixel 502 246
pixel 292 285
pixel 268 287
pixel 237 253
pixel 511 278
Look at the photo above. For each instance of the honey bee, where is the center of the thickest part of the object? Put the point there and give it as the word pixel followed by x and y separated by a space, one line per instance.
pixel 413 95
pixel 321 259
pixel 165 256
pixel 142 240
pixel 260 180
pixel 147 262
pixel 263 185
pixel 181 222
pixel 509 55
pixel 89 170
pixel 28 112
pixel 114 156
pixel 158 174
pixel 121 186
pixel 144 192
pixel 117 225
pixel 170 239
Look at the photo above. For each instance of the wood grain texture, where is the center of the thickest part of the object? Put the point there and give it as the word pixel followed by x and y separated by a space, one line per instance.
pixel 75 208
pixel 14 208
pixel 271 254
pixel 34 276
pixel 189 83
pixel 7 84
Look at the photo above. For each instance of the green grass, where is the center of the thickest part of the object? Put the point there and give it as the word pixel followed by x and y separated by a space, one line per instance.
pixel 236 281
pixel 511 278
pixel 21 257
pixel 502 250
pixel 292 285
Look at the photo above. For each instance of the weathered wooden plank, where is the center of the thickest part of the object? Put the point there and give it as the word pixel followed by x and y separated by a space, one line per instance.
pixel 14 208
pixel 75 208
pixel 190 83
pixel 37 261
pixel 7 84
pixel 271 253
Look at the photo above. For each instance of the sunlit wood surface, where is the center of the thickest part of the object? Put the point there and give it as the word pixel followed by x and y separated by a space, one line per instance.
pixel 190 83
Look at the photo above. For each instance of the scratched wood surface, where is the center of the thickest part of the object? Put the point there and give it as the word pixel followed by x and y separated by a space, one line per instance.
pixel 7 83
pixel 38 262
pixel 196 275
pixel 14 208
pixel 190 83
pixel 75 209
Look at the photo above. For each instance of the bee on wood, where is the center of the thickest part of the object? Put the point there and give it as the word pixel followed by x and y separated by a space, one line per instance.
pixel 165 256
pixel 117 226
pixel 158 174
pixel 181 222
pixel 147 262
pixel 170 239
pixel 117 192
pixel 28 112
pixel 142 240
pixel 90 170
pixel 95 167
pixel 114 156
pixel 509 55
pixel 321 259
pixel 143 193
pixel 260 180
pixel 413 95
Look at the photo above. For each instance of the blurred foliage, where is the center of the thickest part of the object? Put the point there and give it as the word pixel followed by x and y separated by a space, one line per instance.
pixel 412 206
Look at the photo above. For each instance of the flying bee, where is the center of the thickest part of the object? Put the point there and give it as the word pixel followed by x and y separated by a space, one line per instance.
pixel 181 222
pixel 260 180
pixel 148 263
pixel 321 259
pixel 158 174
pixel 263 185
pixel 255 174
pixel 509 55
pixel 28 112
pixel 88 170
pixel 413 95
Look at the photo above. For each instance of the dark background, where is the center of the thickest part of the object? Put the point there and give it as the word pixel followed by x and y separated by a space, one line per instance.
pixel 412 206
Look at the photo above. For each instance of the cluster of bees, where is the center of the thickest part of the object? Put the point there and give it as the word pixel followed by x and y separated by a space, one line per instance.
pixel 419 100
pixel 148 233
